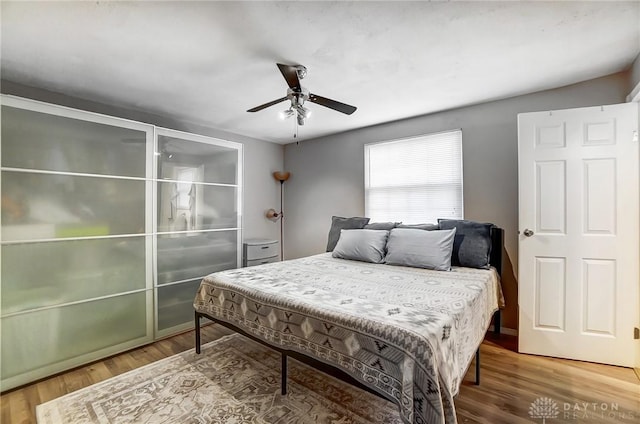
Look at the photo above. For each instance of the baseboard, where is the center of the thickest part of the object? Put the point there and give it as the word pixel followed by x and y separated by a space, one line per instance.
pixel 507 331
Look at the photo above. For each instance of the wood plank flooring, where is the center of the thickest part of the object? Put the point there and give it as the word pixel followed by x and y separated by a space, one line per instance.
pixel 510 383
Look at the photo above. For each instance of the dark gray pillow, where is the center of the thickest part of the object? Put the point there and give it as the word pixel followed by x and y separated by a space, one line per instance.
pixel 420 248
pixel 428 227
pixel 382 226
pixel 472 245
pixel 361 245
pixel 339 223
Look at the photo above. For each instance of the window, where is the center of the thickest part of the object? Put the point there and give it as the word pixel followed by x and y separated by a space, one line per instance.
pixel 414 180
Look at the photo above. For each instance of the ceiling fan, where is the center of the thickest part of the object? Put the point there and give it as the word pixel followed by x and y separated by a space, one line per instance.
pixel 298 95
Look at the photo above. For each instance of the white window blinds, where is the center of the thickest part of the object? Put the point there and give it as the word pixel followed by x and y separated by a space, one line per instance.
pixel 414 180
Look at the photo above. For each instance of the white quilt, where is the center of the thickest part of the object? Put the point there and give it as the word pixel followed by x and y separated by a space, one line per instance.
pixel 408 333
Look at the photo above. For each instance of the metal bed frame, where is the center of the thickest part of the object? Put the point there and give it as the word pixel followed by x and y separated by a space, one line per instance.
pixel 497 243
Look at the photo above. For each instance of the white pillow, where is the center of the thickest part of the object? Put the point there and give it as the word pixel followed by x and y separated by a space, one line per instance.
pixel 361 245
pixel 420 248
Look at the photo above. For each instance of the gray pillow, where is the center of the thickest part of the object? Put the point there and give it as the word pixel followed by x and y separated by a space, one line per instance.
pixel 339 223
pixel 472 245
pixel 382 225
pixel 361 245
pixel 428 227
pixel 420 248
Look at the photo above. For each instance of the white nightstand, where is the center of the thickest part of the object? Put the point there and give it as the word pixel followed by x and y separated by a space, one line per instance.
pixel 259 251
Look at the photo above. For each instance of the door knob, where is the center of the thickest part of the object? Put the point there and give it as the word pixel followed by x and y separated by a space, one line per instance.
pixel 528 232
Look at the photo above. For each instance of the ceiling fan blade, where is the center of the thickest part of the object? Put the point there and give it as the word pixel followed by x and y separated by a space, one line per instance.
pixel 266 105
pixel 290 74
pixel 332 104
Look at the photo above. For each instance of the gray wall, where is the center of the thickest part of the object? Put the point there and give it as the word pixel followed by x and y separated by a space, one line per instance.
pixel 328 173
pixel 634 73
pixel 261 158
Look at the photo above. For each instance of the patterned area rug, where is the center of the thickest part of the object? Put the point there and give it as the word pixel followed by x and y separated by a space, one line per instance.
pixel 233 381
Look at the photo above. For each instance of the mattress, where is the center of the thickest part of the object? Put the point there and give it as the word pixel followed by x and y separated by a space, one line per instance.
pixel 407 333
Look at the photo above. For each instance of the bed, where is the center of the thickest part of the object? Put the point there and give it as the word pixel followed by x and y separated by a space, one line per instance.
pixel 407 334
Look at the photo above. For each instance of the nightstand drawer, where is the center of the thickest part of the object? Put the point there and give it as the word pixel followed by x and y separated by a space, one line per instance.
pixel 260 251
pixel 262 261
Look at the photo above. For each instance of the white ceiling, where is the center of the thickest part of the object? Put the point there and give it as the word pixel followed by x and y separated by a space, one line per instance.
pixel 208 62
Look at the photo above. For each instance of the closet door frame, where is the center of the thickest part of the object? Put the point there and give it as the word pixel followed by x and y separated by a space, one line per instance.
pixel 80 115
pixel 155 157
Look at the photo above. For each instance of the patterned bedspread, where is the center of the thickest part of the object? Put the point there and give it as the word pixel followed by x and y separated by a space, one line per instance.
pixel 407 333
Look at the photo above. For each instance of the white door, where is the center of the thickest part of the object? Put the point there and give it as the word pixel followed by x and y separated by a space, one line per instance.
pixel 578 242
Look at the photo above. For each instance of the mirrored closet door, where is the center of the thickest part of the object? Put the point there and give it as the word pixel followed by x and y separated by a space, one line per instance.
pixel 198 223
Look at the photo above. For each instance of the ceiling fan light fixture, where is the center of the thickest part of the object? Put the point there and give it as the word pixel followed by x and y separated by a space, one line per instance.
pixel 287 113
pixel 303 111
pixel 301 70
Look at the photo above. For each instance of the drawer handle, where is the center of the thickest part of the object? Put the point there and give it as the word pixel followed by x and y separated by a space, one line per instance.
pixel 264 247
pixel 264 262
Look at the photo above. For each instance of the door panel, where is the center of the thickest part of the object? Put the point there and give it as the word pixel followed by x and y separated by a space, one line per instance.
pixel 578 263
pixel 599 133
pixel 598 302
pixel 550 197
pixel 550 135
pixel 600 196
pixel 550 288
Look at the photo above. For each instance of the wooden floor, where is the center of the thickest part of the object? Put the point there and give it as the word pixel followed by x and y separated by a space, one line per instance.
pixel 510 383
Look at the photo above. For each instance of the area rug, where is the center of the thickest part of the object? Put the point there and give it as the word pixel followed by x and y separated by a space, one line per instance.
pixel 233 381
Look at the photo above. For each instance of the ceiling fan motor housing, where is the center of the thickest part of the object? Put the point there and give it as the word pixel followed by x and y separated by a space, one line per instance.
pixel 298 97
